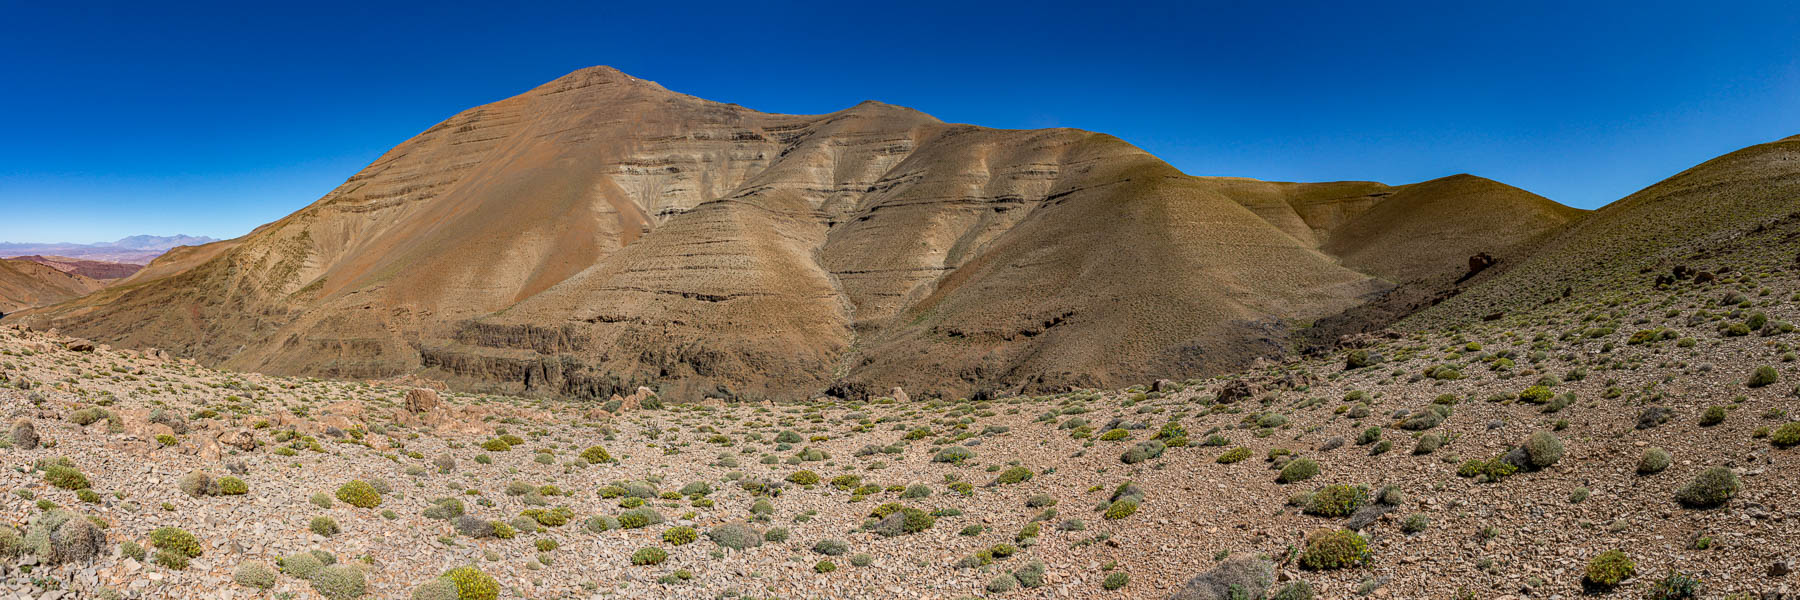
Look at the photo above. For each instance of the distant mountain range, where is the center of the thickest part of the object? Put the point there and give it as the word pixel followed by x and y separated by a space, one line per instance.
pixel 137 249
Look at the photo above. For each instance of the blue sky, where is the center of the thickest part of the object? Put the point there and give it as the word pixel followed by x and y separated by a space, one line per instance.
pixel 212 118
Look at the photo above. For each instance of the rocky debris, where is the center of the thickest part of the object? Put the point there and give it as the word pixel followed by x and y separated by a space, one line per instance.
pixel 1235 390
pixel 1477 263
pixel 1189 512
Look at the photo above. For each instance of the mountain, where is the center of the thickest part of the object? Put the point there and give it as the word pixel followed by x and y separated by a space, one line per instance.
pixel 95 269
pixel 600 232
pixel 158 242
pixel 24 284
pixel 136 250
pixel 1692 220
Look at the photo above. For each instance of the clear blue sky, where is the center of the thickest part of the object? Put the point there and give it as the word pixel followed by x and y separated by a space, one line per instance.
pixel 211 119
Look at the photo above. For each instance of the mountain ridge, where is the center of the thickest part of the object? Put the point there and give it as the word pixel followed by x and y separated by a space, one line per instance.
pixel 600 232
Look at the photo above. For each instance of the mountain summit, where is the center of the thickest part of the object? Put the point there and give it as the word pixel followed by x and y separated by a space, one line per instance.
pixel 601 232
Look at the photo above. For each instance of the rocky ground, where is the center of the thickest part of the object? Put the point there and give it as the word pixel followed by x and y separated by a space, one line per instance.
pixel 1037 506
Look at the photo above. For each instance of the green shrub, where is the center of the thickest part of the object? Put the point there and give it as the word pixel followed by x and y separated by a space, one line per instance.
pixel 1002 583
pixel 735 536
pixel 1609 568
pixel 1294 590
pixel 1711 488
pixel 1541 449
pixel 324 526
pixel 953 455
pixel 1114 580
pixel 1014 475
pixel 1764 375
pixel 831 547
pixel 359 493
pixel 340 582
pixel 639 517
pixel 472 584
pixel 175 539
pixel 804 478
pixel 824 566
pixel 1486 470
pixel 1337 500
pixel 1415 523
pixel 1674 586
pixel 1234 455
pixel 232 486
pixel 1299 469
pixel 302 565
pixel 88 416
pixel 1428 443
pixel 65 477
pixel 1714 415
pixel 1121 508
pixel 172 560
pixel 680 536
pixel 1536 394
pixel 1114 435
pixel 648 556
pixel 1653 461
pixel 596 455
pixel 1334 549
pixel 254 574
pixel 1143 451
pixel 1786 436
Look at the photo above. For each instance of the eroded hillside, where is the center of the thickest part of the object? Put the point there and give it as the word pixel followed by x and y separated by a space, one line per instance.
pixel 601 232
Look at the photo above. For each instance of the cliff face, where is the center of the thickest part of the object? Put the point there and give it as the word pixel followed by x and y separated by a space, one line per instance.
pixel 600 232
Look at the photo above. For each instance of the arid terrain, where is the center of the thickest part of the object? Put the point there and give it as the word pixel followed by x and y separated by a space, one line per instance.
pixel 600 232
pixel 605 340
pixel 1011 497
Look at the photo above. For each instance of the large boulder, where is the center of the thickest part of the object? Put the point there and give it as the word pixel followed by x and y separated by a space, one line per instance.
pixel 422 400
pixel 241 439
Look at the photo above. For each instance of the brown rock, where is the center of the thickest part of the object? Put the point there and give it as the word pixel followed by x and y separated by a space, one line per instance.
pixel 241 439
pixel 900 395
pixel 79 346
pixel 422 400
pixel 1236 390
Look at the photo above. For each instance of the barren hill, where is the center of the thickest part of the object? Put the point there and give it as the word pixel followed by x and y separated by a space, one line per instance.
pixel 24 284
pixel 97 269
pixel 600 232
pixel 1679 222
